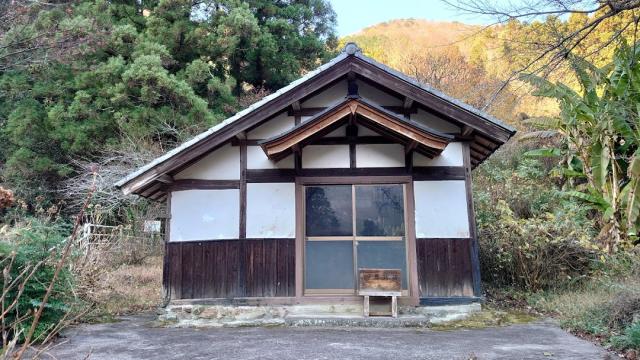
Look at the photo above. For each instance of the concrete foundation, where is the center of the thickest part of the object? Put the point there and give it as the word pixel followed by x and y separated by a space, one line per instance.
pixel 308 315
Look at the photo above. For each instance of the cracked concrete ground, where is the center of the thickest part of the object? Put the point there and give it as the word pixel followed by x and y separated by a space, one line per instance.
pixel 136 338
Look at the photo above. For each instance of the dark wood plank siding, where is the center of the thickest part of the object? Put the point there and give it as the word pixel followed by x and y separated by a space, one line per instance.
pixel 231 268
pixel 444 267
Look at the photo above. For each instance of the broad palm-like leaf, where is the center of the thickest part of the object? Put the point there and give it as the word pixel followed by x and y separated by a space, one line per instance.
pixel 600 134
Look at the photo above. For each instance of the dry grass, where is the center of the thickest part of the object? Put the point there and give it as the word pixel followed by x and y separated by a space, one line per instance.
pixel 573 302
pixel 127 289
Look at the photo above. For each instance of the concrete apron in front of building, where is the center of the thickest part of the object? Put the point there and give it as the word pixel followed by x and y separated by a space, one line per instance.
pixel 308 315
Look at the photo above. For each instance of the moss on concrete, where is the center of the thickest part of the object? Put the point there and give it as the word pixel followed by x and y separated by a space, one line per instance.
pixel 486 318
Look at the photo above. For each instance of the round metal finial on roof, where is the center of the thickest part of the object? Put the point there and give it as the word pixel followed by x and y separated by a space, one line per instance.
pixel 351 48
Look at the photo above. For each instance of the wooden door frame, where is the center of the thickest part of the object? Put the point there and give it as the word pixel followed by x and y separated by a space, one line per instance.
pixel 412 268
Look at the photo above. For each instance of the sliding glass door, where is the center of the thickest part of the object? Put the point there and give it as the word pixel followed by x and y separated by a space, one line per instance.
pixel 349 227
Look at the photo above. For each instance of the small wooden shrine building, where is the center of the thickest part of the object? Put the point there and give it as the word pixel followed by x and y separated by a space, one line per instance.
pixel 352 166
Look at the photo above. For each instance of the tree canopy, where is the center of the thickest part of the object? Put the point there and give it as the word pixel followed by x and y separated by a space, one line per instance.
pixel 79 77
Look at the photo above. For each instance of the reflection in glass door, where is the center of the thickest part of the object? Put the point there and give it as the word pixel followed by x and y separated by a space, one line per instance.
pixel 348 227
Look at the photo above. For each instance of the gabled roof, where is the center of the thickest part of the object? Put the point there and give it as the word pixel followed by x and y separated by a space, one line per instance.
pixel 425 140
pixel 485 132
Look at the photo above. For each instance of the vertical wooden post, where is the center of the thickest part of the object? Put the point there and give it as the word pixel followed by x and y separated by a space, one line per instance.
pixel 474 247
pixel 166 285
pixel 299 244
pixel 394 306
pixel 297 155
pixel 365 306
pixel 242 233
pixel 410 221
pixel 243 189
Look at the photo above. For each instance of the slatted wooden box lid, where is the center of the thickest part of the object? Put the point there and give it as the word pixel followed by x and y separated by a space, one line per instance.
pixel 380 282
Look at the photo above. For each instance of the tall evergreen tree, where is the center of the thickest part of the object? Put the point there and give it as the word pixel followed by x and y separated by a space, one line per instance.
pixel 153 70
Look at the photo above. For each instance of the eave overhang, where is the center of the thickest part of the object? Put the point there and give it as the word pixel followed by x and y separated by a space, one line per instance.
pixel 413 135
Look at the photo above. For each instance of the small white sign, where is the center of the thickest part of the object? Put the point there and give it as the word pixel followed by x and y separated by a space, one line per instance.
pixel 151 226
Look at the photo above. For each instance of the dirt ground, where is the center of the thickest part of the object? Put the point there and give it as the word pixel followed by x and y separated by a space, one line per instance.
pixel 137 338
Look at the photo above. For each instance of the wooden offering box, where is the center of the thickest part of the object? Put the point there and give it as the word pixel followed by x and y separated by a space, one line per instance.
pixel 380 283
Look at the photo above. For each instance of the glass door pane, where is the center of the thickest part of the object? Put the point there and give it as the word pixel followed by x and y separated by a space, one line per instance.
pixel 329 267
pixel 379 210
pixel 328 210
pixel 329 260
pixel 380 230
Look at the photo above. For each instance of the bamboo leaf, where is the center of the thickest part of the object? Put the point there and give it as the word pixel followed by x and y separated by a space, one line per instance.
pixel 634 165
pixel 551 152
pixel 596 200
pixel 596 163
pixel 544 122
pixel 572 173
pixel 631 197
pixel 537 135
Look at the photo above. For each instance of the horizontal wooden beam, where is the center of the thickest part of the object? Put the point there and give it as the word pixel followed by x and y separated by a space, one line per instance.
pixel 311 111
pixel 450 300
pixel 192 184
pixel 271 175
pixel 425 173
pixel 206 241
pixel 359 140
pixel 419 173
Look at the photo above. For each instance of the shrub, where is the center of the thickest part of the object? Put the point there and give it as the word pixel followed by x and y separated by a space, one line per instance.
pixel 532 237
pixel 532 254
pixel 34 246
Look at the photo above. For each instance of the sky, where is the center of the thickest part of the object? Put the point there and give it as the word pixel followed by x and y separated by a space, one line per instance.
pixel 354 15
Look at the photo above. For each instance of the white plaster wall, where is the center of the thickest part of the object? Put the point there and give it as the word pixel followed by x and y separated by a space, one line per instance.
pixel 339 132
pixel 272 127
pixel 441 209
pixel 365 131
pixel 450 156
pixel 377 96
pixel 331 96
pixel 222 164
pixel 271 210
pixel 256 159
pixel 379 155
pixel 204 215
pixel 342 132
pixel 325 156
pixel 435 122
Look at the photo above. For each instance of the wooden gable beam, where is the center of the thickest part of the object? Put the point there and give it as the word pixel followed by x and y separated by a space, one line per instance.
pixel 406 106
pixel 165 179
pixel 410 147
pixel 429 144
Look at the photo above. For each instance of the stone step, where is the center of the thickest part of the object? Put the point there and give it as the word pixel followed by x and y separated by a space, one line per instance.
pixel 309 315
pixel 357 321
